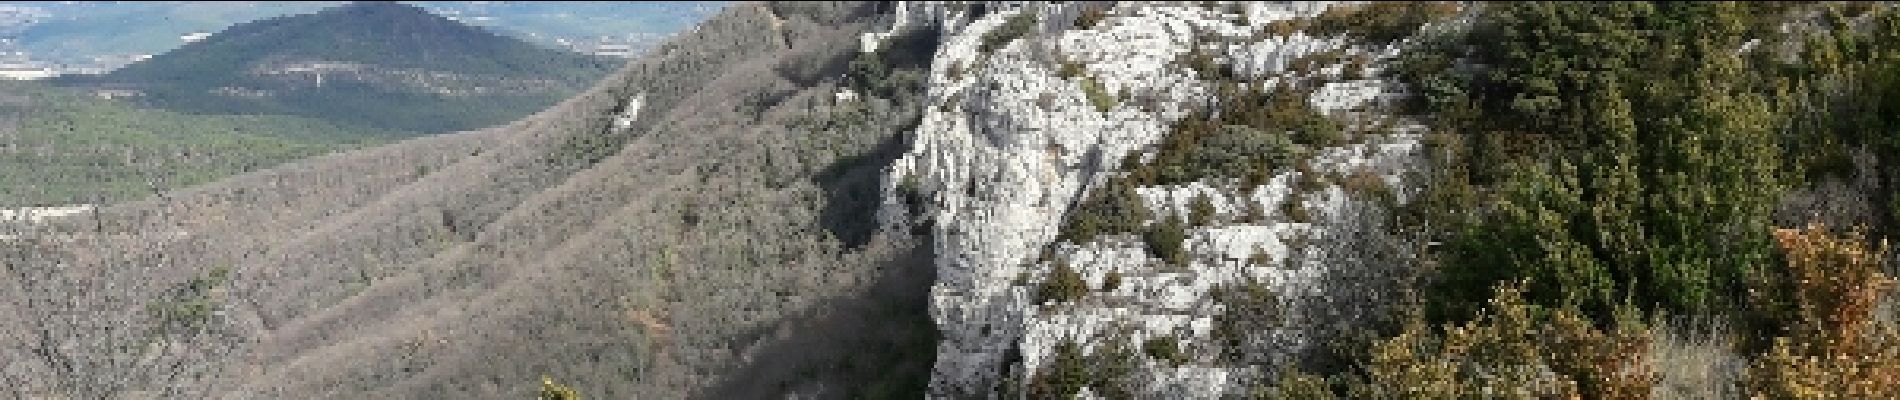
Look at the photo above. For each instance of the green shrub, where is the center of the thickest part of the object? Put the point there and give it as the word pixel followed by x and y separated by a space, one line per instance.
pixel 1255 134
pixel 1201 211
pixel 1013 28
pixel 1205 66
pixel 1090 17
pixel 1295 211
pixel 1164 240
pixel 188 314
pixel 1315 61
pixel 1106 372
pixel 188 306
pixel 1064 376
pixel 1248 310
pixel 1166 349
pixel 1367 184
pixel 893 69
pixel 1380 22
pixel 1648 176
pixel 1097 95
pixel 1198 151
pixel 1111 209
pixel 1375 23
pixel 1072 70
pixel 1299 385
pixel 1062 285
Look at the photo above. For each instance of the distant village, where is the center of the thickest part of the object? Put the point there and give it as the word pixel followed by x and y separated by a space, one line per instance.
pixel 17 64
pixel 625 46
pixel 20 65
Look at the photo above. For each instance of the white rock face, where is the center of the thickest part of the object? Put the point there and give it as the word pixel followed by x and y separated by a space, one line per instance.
pixel 1008 145
pixel 40 214
pixel 630 112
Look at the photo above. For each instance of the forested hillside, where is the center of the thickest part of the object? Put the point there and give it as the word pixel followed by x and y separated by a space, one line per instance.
pixel 62 146
pixel 381 65
pixel 719 242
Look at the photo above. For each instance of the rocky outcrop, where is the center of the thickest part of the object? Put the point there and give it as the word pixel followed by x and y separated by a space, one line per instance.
pixel 1013 139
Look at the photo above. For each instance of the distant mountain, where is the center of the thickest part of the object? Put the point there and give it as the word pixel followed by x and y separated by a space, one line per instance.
pixel 382 65
pixel 109 34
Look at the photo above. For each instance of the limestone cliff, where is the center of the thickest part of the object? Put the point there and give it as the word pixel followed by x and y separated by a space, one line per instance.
pixel 1015 135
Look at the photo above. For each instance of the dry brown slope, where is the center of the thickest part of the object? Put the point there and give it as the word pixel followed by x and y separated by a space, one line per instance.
pixel 469 265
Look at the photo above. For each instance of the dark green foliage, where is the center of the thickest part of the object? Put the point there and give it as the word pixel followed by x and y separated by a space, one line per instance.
pixel 1114 366
pixel 1368 185
pixel 1166 349
pixel 1252 135
pixel 1249 311
pixel 896 72
pixel 1295 211
pixel 1205 66
pixel 1381 22
pixel 1201 211
pixel 898 67
pixel 1066 374
pixel 188 306
pixel 1609 159
pixel 1377 22
pixel 1163 240
pixel 1317 60
pixel 1299 385
pixel 1105 371
pixel 1112 209
pixel 1062 285
pixel 1112 281
pixel 1013 28
pixel 402 44
pixel 853 192
pixel 1855 96
pixel 1090 17
pixel 585 150
pixel 1630 155
pixel 1071 70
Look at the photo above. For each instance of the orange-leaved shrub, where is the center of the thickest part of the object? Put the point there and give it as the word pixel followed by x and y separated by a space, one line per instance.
pixel 1835 349
pixel 556 391
pixel 1514 349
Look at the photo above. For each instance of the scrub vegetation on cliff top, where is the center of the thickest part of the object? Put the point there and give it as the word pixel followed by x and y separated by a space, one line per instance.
pixel 1619 190
pixel 1606 169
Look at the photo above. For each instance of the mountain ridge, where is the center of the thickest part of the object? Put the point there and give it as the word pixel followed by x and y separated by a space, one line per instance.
pixel 383 65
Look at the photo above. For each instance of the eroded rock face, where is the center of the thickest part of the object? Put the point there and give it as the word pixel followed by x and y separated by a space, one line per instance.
pixel 1013 139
